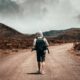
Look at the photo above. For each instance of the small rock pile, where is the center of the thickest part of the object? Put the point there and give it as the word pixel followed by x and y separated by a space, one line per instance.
pixel 77 46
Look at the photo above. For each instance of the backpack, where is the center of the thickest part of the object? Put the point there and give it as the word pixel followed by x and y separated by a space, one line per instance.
pixel 40 44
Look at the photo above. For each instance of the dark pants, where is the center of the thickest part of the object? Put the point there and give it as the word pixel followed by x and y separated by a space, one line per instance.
pixel 40 56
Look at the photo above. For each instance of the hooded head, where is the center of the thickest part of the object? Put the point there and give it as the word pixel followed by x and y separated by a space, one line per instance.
pixel 39 34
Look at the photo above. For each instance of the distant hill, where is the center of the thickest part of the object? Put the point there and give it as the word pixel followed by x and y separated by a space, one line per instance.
pixel 70 34
pixel 6 31
pixel 56 33
pixel 53 33
pixel 62 36
pixel 10 38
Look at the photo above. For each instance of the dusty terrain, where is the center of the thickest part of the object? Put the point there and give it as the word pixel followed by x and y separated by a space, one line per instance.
pixel 60 65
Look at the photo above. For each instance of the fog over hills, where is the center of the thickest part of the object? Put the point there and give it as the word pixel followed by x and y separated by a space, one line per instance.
pixel 30 16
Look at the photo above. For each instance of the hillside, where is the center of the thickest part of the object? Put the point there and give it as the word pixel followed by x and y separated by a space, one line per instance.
pixel 10 38
pixel 72 34
pixel 7 32
pixel 53 33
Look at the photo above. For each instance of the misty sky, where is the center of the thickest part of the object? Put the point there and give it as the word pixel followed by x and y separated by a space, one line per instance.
pixel 30 16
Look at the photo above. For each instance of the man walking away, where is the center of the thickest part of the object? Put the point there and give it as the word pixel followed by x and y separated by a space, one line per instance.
pixel 40 44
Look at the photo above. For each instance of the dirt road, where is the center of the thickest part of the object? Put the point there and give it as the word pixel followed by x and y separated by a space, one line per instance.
pixel 60 65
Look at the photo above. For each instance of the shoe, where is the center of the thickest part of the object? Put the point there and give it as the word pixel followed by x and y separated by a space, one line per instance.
pixel 43 72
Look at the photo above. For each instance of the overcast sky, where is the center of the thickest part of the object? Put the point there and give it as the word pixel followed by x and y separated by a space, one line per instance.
pixel 30 16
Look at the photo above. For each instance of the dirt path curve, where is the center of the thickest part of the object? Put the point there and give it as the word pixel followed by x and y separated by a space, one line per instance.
pixel 60 65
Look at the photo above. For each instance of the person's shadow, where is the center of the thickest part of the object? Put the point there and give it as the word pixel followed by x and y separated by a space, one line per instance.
pixel 34 73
